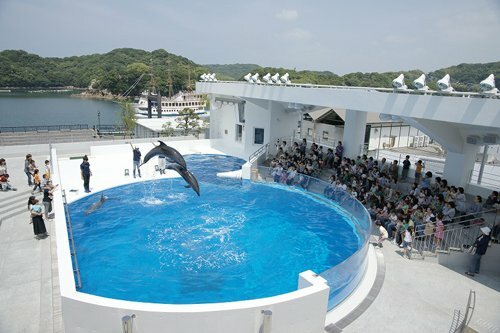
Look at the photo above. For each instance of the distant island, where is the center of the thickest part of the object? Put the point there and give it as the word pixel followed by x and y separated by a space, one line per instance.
pixel 113 73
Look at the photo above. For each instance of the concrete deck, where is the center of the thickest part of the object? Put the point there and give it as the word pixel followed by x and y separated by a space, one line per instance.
pixel 410 296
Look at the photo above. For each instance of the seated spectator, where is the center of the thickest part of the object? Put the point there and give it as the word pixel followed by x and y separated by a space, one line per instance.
pixel 492 199
pixel 4 183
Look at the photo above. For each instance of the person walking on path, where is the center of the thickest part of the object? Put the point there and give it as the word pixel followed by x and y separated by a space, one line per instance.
pixel 481 245
pixel 27 163
pixel 137 160
pixel 86 173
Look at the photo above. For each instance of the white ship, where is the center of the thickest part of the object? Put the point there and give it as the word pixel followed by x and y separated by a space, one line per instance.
pixel 171 106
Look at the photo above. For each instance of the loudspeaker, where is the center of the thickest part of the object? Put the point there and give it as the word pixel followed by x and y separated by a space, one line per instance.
pixel 399 82
pixel 203 77
pixel 267 78
pixel 248 77
pixel 490 139
pixel 473 139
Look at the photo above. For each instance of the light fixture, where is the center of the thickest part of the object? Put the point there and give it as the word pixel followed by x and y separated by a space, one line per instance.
pixel 285 79
pixel 212 77
pixel 444 84
pixel 267 78
pixel 420 83
pixel 248 77
pixel 255 78
pixel 488 85
pixel 276 78
pixel 399 82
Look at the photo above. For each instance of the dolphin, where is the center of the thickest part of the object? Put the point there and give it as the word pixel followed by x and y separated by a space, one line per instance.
pixel 171 154
pixel 96 205
pixel 187 175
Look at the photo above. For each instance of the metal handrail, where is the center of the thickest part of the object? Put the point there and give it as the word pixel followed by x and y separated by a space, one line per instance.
pixel 462 323
pixel 256 154
pixel 453 238
pixel 17 129
pixel 76 269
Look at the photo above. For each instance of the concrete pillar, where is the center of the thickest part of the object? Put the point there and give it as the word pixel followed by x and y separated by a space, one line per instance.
pixel 458 166
pixel 354 133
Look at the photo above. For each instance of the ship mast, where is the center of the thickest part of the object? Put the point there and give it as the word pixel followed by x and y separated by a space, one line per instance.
pixel 169 78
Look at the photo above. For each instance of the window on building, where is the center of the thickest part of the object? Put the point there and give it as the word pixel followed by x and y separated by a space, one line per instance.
pixel 258 136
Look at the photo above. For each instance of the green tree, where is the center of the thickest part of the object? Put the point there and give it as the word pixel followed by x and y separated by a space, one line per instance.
pixel 128 117
pixel 167 129
pixel 188 121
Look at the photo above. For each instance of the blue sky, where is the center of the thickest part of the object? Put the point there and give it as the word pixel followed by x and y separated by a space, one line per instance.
pixel 339 36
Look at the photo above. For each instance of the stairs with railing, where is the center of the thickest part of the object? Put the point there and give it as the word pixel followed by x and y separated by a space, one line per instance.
pixel 456 237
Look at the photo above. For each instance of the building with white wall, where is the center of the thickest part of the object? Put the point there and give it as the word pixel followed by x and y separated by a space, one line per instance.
pixel 462 123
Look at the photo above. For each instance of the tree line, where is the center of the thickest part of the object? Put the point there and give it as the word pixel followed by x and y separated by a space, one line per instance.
pixel 119 69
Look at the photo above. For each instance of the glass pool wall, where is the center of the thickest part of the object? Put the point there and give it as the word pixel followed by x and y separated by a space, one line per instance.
pixel 344 277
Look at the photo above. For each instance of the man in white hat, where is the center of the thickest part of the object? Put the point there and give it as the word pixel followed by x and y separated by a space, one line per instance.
pixel 481 245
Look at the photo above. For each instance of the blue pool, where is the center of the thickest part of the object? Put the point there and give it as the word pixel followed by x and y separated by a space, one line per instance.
pixel 156 241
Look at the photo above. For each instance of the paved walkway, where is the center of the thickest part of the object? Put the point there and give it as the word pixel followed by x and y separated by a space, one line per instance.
pixel 415 296
pixel 29 294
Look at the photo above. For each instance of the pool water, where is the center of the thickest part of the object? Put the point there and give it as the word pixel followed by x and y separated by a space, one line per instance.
pixel 158 242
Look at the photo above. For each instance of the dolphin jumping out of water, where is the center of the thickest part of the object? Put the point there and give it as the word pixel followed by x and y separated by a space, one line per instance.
pixel 96 205
pixel 171 154
pixel 187 175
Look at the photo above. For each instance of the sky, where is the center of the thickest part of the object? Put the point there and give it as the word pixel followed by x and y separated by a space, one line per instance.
pixel 328 35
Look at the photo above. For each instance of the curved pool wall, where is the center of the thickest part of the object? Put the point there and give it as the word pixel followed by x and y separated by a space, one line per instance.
pixel 302 310
pixel 344 277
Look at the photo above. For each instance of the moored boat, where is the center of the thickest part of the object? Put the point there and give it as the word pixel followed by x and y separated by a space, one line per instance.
pixel 171 106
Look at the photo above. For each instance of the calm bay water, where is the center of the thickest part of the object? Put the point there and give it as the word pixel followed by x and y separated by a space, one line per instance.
pixel 32 109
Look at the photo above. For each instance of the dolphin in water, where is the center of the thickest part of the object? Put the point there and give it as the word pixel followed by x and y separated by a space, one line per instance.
pixel 96 205
pixel 187 175
pixel 171 154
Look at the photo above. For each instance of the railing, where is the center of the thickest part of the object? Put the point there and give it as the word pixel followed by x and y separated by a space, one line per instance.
pixel 345 276
pixel 459 323
pixel 103 130
pixel 18 129
pixel 385 90
pixel 76 269
pixel 490 179
pixel 255 155
pixel 462 232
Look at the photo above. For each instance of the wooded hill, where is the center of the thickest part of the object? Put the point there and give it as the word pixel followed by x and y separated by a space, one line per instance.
pixel 117 70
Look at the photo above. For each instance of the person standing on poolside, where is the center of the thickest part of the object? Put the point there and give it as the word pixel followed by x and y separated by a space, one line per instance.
pixel 481 245
pixel 137 160
pixel 86 173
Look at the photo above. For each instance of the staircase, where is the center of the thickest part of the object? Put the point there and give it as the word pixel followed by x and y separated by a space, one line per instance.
pixel 13 203
pixel 457 236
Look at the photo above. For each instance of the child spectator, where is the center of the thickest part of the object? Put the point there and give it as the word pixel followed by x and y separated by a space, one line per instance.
pixel 383 234
pixel 36 181
pixel 418 171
